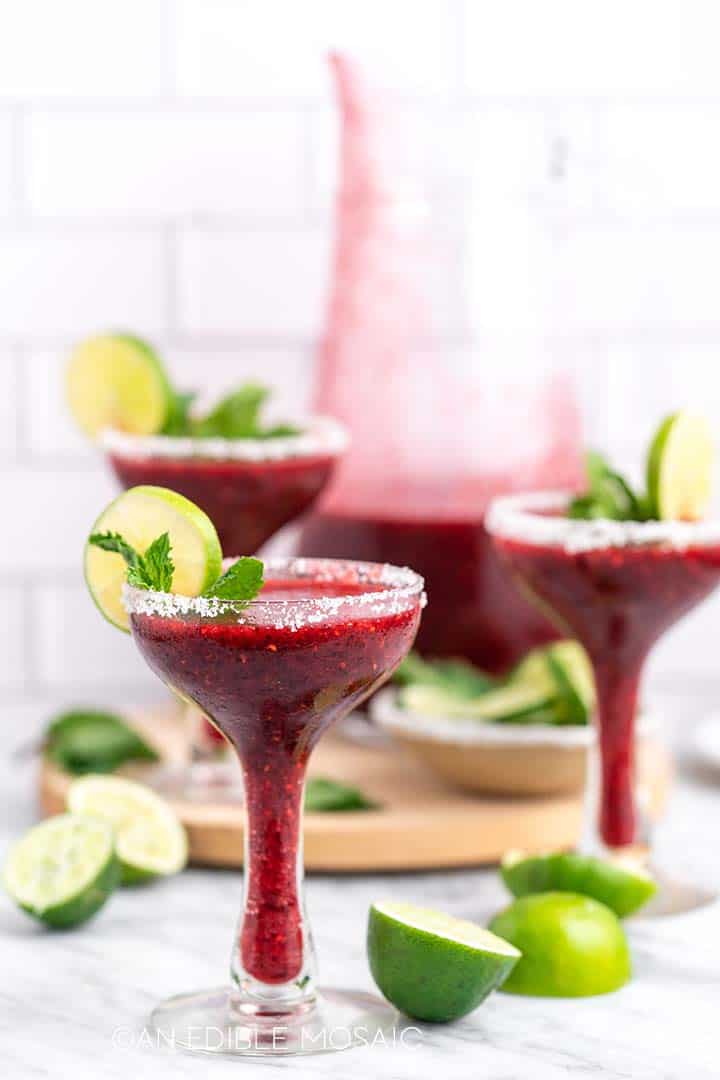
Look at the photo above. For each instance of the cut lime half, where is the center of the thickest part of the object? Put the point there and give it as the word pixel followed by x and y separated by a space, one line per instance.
pixel 118 381
pixel 680 467
pixel 149 839
pixel 432 966
pixel 572 946
pixel 140 515
pixel 623 885
pixel 63 870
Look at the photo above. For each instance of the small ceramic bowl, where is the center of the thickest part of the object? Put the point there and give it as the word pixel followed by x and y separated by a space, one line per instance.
pixel 492 759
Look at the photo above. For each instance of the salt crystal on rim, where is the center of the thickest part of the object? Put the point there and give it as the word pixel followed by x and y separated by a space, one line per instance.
pixel 318 435
pixel 533 519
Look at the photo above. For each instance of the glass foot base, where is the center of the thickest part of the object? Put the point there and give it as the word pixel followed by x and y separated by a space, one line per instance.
pixel 216 1022
pixel 199 781
pixel 675 897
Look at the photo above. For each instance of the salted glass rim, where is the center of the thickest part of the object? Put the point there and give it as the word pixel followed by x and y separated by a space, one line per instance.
pixel 318 435
pixel 402 588
pixel 527 518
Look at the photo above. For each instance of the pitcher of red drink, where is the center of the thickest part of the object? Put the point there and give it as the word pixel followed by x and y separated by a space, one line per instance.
pixel 445 353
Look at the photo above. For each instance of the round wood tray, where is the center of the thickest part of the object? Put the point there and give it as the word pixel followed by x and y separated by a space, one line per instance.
pixel 422 823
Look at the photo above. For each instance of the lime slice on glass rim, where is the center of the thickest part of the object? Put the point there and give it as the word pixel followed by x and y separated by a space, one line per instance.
pixel 679 468
pixel 63 870
pixel 622 885
pixel 149 839
pixel 118 381
pixel 432 966
pixel 571 945
pixel 140 515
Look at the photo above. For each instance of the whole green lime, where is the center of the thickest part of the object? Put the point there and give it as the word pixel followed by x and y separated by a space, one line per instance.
pixel 571 945
pixel 432 966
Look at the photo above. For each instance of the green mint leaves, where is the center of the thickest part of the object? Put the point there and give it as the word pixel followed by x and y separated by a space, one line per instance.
pixel 609 495
pixel 153 570
pixel 457 677
pixel 327 796
pixel 236 416
pixel 94 741
pixel 242 581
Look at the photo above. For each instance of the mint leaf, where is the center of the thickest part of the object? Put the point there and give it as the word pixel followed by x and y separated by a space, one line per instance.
pixel 609 495
pixel 178 421
pixel 242 581
pixel 157 564
pixel 279 431
pixel 153 570
pixel 456 677
pixel 110 541
pixel 323 796
pixel 236 416
pixel 91 740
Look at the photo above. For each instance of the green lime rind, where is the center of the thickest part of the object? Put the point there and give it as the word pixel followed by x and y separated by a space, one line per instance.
pixel 62 871
pixel 571 945
pixel 433 967
pixel 622 888
pixel 654 463
pixel 140 515
pixel 118 380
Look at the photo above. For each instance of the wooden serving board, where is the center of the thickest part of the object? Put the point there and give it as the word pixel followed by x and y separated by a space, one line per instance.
pixel 422 823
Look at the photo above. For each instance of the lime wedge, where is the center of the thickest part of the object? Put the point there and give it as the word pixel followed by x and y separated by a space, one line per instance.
pixel 140 515
pixel 118 381
pixel 621 884
pixel 63 870
pixel 431 966
pixel 571 946
pixel 574 678
pixel 679 468
pixel 505 704
pixel 149 840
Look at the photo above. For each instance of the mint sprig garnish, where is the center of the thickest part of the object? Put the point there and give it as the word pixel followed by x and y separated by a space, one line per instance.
pixel 236 416
pixel 608 495
pixel 242 581
pixel 153 570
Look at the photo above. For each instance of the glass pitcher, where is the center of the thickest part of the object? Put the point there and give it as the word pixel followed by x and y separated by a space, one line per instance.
pixel 446 354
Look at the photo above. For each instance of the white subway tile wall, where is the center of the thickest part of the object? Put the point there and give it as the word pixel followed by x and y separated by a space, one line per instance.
pixel 168 166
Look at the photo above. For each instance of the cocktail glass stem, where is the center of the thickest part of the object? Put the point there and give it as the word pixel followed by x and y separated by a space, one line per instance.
pixel 273 961
pixel 618 684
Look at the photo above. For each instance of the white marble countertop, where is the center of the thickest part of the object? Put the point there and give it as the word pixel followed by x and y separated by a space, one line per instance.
pixel 74 1004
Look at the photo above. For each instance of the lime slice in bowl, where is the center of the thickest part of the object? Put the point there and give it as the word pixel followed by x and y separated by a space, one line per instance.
pixel 150 841
pixel 63 870
pixel 432 966
pixel 623 885
pixel 571 945
pixel 680 467
pixel 140 515
pixel 118 381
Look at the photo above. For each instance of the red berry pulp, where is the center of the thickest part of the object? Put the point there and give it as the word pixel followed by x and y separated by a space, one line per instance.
pixel 617 601
pixel 248 501
pixel 273 691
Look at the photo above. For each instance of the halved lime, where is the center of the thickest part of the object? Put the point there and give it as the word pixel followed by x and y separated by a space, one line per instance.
pixel 432 966
pixel 140 515
pixel 505 704
pixel 63 870
pixel 118 381
pixel 149 839
pixel 680 467
pixel 623 885
pixel 572 946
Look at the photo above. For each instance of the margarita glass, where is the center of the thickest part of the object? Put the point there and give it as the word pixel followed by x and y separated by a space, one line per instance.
pixel 249 488
pixel 616 586
pixel 273 674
